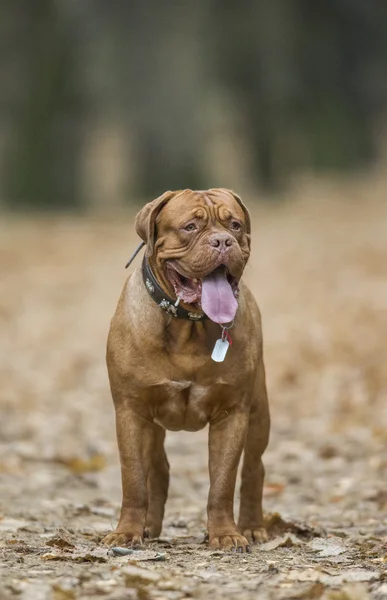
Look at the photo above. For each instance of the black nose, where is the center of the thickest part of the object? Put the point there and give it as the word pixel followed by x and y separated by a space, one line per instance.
pixel 221 240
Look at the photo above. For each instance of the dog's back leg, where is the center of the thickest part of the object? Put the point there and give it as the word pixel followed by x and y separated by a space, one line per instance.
pixel 250 522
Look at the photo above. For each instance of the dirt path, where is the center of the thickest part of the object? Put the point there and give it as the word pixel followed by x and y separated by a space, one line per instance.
pixel 319 272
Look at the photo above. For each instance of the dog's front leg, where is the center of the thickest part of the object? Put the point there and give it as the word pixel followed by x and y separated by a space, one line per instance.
pixel 134 435
pixel 226 441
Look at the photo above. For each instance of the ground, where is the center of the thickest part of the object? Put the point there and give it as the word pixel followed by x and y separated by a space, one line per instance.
pixel 318 270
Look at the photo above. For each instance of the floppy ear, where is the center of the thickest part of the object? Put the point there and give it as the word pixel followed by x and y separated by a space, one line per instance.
pixel 243 207
pixel 145 222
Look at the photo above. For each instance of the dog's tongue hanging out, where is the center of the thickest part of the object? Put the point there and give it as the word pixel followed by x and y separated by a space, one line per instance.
pixel 218 300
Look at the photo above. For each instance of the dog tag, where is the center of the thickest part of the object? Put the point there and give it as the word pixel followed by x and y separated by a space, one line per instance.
pixel 220 350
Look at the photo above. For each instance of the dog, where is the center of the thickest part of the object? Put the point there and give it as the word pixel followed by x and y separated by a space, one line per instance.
pixel 185 350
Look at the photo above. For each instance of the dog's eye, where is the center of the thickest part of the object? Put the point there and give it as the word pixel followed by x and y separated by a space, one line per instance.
pixel 235 225
pixel 190 227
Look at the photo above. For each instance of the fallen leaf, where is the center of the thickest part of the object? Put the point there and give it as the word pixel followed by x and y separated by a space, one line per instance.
pixel 103 511
pixel 356 575
pixel 304 575
pixel 286 541
pixel 276 525
pixel 38 590
pixel 349 592
pixel 104 586
pixel 79 556
pixel 273 489
pixel 53 556
pixel 15 542
pixel 20 546
pixel 78 465
pixel 327 547
pixel 134 575
pixel 138 555
pixel 344 576
pixel 380 498
pixel 328 451
pixel 149 555
pixel 118 551
pixel 62 593
pixel 62 540
pixel 97 555
pixel 313 592
pixel 11 525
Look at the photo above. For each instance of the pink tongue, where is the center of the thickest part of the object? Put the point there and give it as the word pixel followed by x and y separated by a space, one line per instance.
pixel 218 300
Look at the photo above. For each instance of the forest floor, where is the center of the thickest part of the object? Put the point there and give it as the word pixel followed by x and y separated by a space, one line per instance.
pixel 319 272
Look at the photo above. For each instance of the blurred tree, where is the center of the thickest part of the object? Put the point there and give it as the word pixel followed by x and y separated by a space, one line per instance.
pixel 301 74
pixel 305 81
pixel 157 90
pixel 254 56
pixel 43 156
pixel 341 43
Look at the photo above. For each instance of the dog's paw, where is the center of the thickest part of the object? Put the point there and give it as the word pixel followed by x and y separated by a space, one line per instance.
pixel 230 543
pixel 123 538
pixel 257 535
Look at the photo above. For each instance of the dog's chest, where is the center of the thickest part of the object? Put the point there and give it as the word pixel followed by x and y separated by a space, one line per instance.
pixel 183 405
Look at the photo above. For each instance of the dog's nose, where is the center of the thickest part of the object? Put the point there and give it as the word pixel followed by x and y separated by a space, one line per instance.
pixel 222 241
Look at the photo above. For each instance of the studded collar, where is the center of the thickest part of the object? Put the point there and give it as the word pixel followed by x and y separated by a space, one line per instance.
pixel 163 300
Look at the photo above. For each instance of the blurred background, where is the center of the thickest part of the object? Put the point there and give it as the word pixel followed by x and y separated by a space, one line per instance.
pixel 103 106
pixel 105 103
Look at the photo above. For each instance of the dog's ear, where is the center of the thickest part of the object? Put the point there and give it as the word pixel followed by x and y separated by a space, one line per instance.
pixel 145 222
pixel 243 207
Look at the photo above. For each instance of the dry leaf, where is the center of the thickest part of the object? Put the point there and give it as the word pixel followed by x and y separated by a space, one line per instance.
pixel 338 578
pixel 138 576
pixel 79 465
pixel 62 593
pixel 357 575
pixel 276 525
pixel 138 555
pixel 303 575
pixel 286 541
pixel 323 294
pixel 146 555
pixel 327 546
pixel 313 592
pixel 273 489
pixel 79 556
pixel 11 525
pixel 62 540
pixel 53 556
pixel 349 592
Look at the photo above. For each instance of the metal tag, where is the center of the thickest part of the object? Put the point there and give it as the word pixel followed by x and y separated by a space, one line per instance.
pixel 220 350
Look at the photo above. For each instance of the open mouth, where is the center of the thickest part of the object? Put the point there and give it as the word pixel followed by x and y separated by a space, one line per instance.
pixel 216 293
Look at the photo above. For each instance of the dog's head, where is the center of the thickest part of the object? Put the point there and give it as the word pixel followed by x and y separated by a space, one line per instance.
pixel 198 243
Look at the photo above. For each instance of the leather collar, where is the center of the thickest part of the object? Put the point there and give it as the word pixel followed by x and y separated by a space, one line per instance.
pixel 165 302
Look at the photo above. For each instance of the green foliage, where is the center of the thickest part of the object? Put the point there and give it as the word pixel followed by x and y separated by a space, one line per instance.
pixel 302 83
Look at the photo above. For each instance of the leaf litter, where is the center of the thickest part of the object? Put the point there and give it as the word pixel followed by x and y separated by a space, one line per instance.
pixel 322 291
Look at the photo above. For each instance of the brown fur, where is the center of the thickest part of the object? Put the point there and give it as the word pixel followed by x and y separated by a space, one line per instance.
pixel 162 377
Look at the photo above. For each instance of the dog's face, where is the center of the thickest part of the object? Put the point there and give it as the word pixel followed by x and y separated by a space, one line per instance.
pixel 200 243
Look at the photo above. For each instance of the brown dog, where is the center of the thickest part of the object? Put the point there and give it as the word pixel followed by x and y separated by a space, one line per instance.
pixel 162 375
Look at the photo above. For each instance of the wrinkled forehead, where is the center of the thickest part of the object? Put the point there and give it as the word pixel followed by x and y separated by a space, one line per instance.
pixel 208 204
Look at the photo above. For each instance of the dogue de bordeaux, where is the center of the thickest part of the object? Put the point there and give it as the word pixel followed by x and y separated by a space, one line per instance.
pixel 185 350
